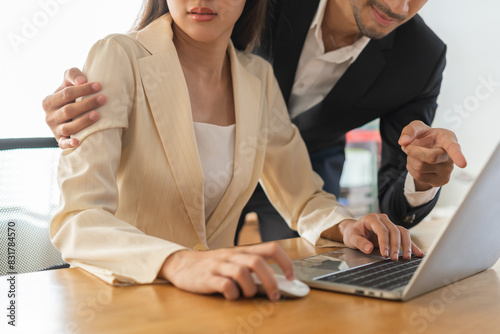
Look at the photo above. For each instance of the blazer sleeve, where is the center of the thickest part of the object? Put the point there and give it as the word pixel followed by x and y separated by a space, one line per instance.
pixel 85 228
pixel 392 172
pixel 289 181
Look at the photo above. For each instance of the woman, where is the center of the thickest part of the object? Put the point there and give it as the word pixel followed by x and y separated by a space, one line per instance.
pixel 167 170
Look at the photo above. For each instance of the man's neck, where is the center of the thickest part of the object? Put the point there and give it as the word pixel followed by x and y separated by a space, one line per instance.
pixel 339 23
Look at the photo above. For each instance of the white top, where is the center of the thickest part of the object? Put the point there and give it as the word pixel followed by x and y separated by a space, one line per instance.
pixel 318 72
pixel 216 151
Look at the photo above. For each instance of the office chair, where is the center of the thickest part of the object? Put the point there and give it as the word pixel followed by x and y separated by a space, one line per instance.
pixel 29 196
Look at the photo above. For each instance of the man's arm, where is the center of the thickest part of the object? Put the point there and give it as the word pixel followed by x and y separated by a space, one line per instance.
pixel 62 111
pixel 428 160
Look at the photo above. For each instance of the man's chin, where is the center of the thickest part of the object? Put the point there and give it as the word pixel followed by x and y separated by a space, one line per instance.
pixel 375 33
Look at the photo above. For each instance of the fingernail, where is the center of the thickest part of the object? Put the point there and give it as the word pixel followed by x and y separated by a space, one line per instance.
pixel 80 80
pixel 405 138
pixel 403 148
pixel 395 256
pixel 101 99
pixel 72 142
pixel 386 252
pixel 276 296
pixel 367 248
pixel 409 254
pixel 96 86
pixel 93 116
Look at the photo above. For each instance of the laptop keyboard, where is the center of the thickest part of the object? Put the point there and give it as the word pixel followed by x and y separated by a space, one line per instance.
pixel 384 275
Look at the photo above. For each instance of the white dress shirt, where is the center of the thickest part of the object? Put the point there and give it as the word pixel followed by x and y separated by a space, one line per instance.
pixel 318 72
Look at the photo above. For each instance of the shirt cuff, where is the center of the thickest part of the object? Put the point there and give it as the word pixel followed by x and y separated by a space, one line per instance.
pixel 321 221
pixel 417 198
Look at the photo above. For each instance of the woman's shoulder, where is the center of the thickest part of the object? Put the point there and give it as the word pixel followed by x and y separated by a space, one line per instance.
pixel 121 43
pixel 254 64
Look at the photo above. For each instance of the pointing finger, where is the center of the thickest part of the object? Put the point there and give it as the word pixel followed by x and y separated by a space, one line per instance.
pixel 455 152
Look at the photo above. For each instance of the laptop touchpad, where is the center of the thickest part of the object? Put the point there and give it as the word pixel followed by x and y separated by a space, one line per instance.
pixel 327 263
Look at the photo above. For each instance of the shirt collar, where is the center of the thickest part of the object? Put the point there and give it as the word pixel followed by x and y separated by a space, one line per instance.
pixel 316 22
pixel 350 52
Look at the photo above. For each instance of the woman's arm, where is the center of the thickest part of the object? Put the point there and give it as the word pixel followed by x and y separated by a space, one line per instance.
pixel 90 235
pixel 85 229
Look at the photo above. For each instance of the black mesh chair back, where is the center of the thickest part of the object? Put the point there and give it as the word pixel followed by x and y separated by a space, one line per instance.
pixel 29 196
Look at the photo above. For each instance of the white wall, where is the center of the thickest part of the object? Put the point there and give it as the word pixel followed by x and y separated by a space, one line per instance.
pixel 469 103
pixel 54 35
pixel 39 40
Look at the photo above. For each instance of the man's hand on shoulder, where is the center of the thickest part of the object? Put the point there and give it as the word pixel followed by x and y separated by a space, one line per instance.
pixel 62 112
pixel 431 152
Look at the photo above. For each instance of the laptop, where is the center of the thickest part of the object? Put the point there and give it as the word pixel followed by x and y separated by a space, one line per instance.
pixel 467 245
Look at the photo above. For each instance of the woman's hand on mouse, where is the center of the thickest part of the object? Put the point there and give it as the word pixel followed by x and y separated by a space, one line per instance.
pixel 227 271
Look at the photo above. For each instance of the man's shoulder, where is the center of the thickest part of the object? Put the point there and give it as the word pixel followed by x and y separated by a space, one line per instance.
pixel 416 35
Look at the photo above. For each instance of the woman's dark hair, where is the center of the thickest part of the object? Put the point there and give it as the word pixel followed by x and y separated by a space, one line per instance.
pixel 246 32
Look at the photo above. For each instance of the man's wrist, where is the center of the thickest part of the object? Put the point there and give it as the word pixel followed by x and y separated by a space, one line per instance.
pixel 422 186
pixel 414 197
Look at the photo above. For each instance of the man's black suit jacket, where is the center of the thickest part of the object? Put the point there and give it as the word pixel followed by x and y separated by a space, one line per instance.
pixel 396 78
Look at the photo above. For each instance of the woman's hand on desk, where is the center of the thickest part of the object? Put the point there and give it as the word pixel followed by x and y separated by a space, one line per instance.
pixel 61 110
pixel 227 271
pixel 374 230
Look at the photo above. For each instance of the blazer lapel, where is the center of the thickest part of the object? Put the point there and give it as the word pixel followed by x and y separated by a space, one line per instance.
pixel 168 97
pixel 247 100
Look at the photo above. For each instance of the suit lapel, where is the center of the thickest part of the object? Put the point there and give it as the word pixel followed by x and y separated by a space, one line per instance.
pixel 247 100
pixel 168 97
pixel 349 89
pixel 368 66
pixel 294 21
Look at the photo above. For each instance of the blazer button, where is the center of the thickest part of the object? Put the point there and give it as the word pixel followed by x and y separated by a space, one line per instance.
pixel 409 219
pixel 200 247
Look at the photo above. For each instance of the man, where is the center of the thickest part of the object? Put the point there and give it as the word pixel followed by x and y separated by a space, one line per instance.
pixel 340 64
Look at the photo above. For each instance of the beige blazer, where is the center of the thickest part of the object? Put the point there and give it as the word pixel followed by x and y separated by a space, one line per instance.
pixel 132 192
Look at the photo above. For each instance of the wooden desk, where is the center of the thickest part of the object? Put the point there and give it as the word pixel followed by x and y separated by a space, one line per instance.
pixel 73 301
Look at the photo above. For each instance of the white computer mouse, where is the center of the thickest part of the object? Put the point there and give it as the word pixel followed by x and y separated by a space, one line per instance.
pixel 289 289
